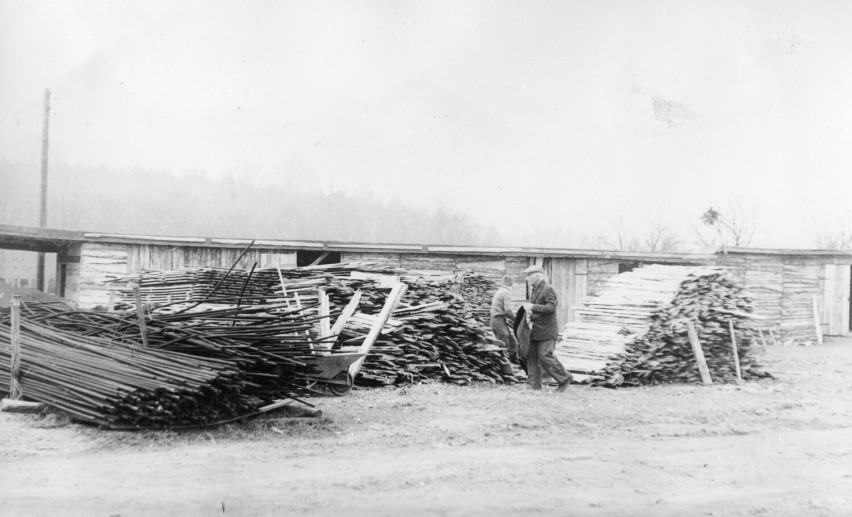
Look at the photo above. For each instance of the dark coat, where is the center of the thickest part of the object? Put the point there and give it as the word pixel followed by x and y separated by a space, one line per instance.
pixel 544 323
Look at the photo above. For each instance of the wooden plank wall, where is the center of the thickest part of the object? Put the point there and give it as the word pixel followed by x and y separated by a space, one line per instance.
pixel 568 278
pixel 167 258
pixel 802 280
pixel 763 280
pixel 99 263
pixel 386 259
pixel 599 272
pixel 783 289
pixel 836 288
pixel 490 267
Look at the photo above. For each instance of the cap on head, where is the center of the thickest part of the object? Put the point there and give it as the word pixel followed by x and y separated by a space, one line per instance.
pixel 533 269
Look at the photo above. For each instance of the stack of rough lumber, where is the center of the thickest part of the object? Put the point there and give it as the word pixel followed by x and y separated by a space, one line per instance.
pixel 434 334
pixel 635 332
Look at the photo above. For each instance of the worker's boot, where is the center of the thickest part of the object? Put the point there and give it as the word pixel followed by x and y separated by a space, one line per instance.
pixel 563 386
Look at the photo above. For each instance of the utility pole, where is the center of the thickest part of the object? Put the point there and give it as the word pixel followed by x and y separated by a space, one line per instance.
pixel 43 213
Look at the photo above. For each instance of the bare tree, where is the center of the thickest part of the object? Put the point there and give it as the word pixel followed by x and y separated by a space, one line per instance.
pixel 453 228
pixel 660 239
pixel 617 238
pixel 736 226
pixel 838 239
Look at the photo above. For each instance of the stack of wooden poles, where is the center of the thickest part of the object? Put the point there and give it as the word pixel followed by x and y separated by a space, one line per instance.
pixel 96 380
pixel 636 331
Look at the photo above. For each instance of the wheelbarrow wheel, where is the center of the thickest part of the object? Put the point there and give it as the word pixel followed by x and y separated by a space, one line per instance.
pixel 338 390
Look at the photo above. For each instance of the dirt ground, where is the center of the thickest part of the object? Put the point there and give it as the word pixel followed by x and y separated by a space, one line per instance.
pixel 774 447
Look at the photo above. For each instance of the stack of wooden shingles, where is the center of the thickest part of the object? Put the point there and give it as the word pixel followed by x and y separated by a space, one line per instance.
pixel 433 335
pixel 478 290
pixel 635 332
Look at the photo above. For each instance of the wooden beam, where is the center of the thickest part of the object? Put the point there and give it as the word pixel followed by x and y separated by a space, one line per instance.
pixel 347 313
pixel 699 354
pixel 390 303
pixel 140 314
pixel 15 392
pixel 324 312
pixel 736 354
pixel 319 259
pixel 817 322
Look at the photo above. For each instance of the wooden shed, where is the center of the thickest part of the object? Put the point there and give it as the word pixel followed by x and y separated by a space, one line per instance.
pixel 785 284
pixel 86 260
pixel 794 289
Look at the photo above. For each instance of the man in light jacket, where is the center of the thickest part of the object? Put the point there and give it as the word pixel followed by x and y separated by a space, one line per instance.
pixel 501 315
pixel 544 332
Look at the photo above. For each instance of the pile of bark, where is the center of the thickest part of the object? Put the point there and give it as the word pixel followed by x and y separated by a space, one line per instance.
pixel 635 332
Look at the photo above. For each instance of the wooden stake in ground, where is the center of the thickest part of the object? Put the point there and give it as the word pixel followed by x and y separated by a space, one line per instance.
pixel 736 354
pixel 816 322
pixel 15 371
pixel 699 354
pixel 140 313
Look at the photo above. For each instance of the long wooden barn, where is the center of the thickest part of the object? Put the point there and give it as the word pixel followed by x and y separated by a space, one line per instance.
pixel 786 284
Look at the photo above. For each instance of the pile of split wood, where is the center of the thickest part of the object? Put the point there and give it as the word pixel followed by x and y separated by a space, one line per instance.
pixel 636 331
pixel 434 334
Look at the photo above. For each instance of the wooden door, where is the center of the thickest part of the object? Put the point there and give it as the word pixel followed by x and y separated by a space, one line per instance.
pixel 838 283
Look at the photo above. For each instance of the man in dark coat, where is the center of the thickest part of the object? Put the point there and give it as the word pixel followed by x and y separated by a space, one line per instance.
pixel 544 330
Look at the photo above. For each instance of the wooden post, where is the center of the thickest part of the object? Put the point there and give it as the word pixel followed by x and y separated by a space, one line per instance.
pixel 111 304
pixel 736 354
pixel 699 354
pixel 816 321
pixel 283 287
pixel 324 312
pixel 45 132
pixel 15 367
pixel 140 313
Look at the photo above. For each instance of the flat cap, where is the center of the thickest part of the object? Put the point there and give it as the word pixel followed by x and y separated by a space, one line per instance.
pixel 533 269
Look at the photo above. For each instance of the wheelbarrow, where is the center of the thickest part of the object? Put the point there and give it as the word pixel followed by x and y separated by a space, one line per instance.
pixel 334 371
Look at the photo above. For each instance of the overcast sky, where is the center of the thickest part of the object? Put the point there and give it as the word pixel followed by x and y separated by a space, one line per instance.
pixel 569 113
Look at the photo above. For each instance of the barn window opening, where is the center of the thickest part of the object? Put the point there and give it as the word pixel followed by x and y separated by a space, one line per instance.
pixel 316 258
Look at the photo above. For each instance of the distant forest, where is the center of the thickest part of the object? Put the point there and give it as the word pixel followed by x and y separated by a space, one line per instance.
pixel 157 203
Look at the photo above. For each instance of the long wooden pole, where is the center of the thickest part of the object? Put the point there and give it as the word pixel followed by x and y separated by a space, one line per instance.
pixel 736 354
pixel 699 353
pixel 15 370
pixel 43 210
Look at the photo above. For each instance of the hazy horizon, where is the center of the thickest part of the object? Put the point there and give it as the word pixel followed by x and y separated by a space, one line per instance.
pixel 569 116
